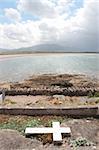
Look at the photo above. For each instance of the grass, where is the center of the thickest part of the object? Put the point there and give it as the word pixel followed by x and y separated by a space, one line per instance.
pixel 20 123
pixel 96 94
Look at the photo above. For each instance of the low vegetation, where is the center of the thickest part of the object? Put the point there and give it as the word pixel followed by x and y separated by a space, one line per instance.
pixel 8 101
pixel 96 94
pixel 80 142
pixel 20 123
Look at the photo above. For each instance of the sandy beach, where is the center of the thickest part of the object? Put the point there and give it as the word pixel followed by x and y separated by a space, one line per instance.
pixel 31 54
pixel 6 56
pixel 16 55
pixel 12 56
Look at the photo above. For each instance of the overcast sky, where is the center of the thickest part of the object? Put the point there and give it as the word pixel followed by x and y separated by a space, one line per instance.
pixel 70 23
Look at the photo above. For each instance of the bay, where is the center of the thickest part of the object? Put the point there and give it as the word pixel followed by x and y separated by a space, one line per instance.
pixel 20 67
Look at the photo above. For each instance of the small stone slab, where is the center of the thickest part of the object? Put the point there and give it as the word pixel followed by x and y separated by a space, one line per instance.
pixel 1 98
pixel 56 130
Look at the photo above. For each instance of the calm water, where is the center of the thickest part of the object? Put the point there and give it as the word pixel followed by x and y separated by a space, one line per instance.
pixel 19 68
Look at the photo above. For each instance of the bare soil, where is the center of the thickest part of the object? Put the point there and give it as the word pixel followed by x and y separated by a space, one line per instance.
pixel 49 101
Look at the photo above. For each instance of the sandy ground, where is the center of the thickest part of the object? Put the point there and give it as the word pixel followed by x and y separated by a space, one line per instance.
pixel 86 128
pixel 4 55
pixel 49 101
pixel 22 55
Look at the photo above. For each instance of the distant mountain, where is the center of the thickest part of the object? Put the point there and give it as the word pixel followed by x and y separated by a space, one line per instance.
pixel 37 48
pixel 3 50
pixel 41 48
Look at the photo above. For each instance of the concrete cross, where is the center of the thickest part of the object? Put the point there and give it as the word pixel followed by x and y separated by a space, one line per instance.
pixel 57 131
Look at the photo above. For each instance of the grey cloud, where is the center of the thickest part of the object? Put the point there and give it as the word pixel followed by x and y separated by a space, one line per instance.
pixel 40 8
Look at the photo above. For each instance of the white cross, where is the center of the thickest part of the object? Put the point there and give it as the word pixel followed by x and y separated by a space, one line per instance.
pixel 57 131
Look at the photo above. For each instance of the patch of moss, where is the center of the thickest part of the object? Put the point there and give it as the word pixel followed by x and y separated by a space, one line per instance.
pixel 8 101
pixel 96 94
pixel 80 142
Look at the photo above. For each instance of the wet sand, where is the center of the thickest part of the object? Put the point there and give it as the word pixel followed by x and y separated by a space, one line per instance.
pixel 32 54
pixel 6 56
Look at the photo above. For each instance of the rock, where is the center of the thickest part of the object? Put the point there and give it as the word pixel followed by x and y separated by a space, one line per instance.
pixel 59 97
pixel 55 102
pixel 10 139
pixel 62 84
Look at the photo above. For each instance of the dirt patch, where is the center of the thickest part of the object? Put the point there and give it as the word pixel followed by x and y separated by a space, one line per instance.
pixel 49 101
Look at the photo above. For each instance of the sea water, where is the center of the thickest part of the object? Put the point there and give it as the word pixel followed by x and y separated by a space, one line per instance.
pixel 18 68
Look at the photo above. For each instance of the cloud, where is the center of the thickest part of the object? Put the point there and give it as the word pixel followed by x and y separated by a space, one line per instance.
pixel 46 8
pixel 41 8
pixel 19 35
pixel 78 31
pixel 12 14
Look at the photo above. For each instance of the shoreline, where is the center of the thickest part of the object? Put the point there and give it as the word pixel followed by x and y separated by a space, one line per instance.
pixel 4 56
pixel 63 84
pixel 51 78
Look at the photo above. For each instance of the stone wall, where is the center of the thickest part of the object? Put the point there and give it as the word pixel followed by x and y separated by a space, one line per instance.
pixel 71 112
pixel 53 91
